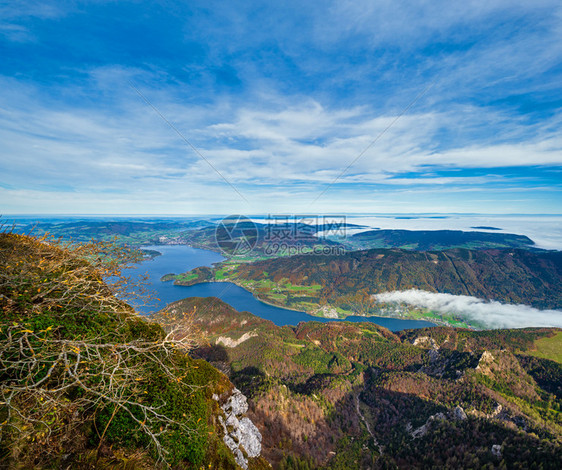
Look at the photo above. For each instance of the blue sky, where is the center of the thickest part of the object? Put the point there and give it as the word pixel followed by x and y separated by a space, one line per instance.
pixel 281 97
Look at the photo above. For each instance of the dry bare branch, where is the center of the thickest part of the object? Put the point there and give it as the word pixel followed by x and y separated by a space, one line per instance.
pixel 70 347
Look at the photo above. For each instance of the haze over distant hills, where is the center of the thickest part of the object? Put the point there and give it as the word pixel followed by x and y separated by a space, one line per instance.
pixel 434 261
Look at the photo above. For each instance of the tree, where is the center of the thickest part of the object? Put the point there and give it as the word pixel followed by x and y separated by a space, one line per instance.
pixel 74 355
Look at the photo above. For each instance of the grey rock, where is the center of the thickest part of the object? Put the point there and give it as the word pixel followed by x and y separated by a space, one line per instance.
pixel 438 416
pixel 433 355
pixel 241 436
pixel 422 430
pixel 250 437
pixel 459 414
pixel 236 404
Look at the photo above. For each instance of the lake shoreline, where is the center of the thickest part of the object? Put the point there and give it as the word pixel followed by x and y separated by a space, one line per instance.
pixel 357 315
pixel 184 258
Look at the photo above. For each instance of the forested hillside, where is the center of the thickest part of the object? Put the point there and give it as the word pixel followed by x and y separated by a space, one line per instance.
pixel 508 275
pixel 87 383
pixel 425 240
pixel 354 395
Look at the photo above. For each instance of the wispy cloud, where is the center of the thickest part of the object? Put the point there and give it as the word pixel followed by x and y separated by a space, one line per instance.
pixel 491 314
pixel 14 18
pixel 281 98
pixel 127 145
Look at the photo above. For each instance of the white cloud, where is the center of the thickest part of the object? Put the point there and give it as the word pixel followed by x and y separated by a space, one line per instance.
pixel 403 21
pixel 13 14
pixel 492 314
pixel 121 145
pixel 307 138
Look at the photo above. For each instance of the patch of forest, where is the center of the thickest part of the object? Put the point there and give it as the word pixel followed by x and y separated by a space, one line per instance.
pixel 436 397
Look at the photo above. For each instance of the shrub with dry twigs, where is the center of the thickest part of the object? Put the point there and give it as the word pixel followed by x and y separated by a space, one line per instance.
pixel 79 369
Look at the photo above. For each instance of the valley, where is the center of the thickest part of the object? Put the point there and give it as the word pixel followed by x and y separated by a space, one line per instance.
pixel 487 265
pixel 297 395
pixel 349 395
pixel 257 235
pixel 338 286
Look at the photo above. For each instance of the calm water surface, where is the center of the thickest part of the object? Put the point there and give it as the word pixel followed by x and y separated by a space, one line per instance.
pixel 181 258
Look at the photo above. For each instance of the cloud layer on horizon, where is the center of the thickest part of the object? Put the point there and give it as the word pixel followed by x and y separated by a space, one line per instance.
pixel 492 314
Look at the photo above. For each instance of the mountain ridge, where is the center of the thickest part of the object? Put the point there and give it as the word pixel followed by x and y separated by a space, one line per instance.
pixel 355 395
pixel 346 284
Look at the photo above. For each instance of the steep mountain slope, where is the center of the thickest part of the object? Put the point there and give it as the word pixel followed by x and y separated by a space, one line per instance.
pixel 87 383
pixel 354 395
pixel 513 276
